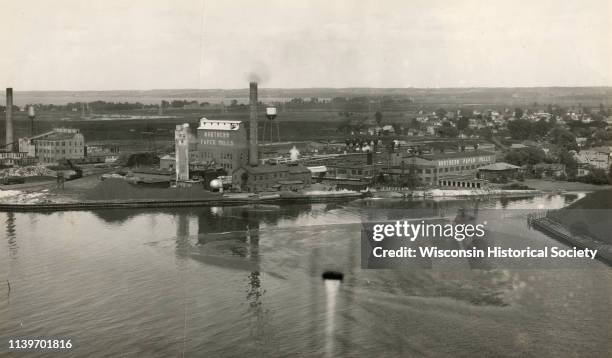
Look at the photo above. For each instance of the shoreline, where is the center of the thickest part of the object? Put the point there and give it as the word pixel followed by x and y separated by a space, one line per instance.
pixel 250 198
pixel 558 231
pixel 156 203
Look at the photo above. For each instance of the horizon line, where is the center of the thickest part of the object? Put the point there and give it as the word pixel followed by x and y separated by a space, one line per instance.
pixel 310 88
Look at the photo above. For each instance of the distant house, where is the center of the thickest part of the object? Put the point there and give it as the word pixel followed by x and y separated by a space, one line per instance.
pixel 583 169
pixel 600 157
pixel 581 142
pixel 518 146
pixel 546 170
pixel 388 129
pixel 486 146
pixel 531 143
pixel 167 162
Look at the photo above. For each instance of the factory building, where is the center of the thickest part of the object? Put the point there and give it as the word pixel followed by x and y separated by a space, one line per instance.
pixel 223 142
pixel 430 168
pixel 9 159
pixel 271 177
pixel 256 177
pixel 55 146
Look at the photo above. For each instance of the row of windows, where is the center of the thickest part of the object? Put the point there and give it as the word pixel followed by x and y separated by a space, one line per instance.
pixel 58 151
pixel 58 144
pixel 461 184
pixel 448 169
pixel 280 175
pixel 353 171
pixel 224 155
pixel 461 168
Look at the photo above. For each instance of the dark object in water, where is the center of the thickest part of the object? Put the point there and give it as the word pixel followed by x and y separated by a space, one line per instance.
pixel 332 275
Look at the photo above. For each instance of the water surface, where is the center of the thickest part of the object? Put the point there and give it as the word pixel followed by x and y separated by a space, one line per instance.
pixel 246 281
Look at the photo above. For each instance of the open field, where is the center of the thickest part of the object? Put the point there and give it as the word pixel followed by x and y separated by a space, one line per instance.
pixel 430 96
pixel 131 131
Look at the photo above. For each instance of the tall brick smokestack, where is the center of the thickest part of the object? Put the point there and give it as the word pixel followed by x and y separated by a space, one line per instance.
pixel 253 155
pixel 9 119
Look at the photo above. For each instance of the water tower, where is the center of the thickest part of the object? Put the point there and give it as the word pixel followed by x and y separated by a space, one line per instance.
pixel 31 115
pixel 271 115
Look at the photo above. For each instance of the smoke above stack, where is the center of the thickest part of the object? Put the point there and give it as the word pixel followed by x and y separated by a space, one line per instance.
pixel 258 73
pixel 253 155
pixel 9 119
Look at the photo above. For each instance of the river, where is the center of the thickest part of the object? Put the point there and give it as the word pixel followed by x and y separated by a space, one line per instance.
pixel 192 282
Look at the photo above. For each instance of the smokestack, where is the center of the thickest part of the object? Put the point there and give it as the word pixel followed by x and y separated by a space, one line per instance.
pixel 253 155
pixel 9 119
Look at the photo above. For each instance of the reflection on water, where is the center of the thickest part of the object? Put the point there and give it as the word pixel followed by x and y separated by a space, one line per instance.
pixel 331 291
pixel 246 281
pixel 10 233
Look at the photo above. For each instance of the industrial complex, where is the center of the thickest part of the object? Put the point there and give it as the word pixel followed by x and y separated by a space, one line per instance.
pixel 231 155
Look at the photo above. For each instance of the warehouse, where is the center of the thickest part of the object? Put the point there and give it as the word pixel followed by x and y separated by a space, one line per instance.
pixel 430 168
pixel 55 146
pixel 271 177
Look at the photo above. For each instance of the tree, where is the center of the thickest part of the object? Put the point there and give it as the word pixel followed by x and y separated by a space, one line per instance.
pixel 378 117
pixel 467 113
pixel 462 123
pixel 596 176
pixel 571 165
pixel 602 110
pixel 520 129
pixel 447 131
pixel 441 113
pixel 541 127
pixel 563 138
pixel 602 135
pixel 526 156
pixel 518 113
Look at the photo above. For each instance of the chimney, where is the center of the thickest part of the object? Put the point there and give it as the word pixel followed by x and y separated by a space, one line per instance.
pixel 253 155
pixel 9 119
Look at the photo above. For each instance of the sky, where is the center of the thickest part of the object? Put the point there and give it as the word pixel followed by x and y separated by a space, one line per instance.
pixel 164 44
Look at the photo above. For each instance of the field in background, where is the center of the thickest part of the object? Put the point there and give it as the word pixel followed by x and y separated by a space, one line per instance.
pixel 564 96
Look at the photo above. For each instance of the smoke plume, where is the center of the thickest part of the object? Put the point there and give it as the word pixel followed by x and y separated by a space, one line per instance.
pixel 259 73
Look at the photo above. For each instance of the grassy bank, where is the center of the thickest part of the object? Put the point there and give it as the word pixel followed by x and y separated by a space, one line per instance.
pixel 590 216
pixel 91 188
pixel 553 185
